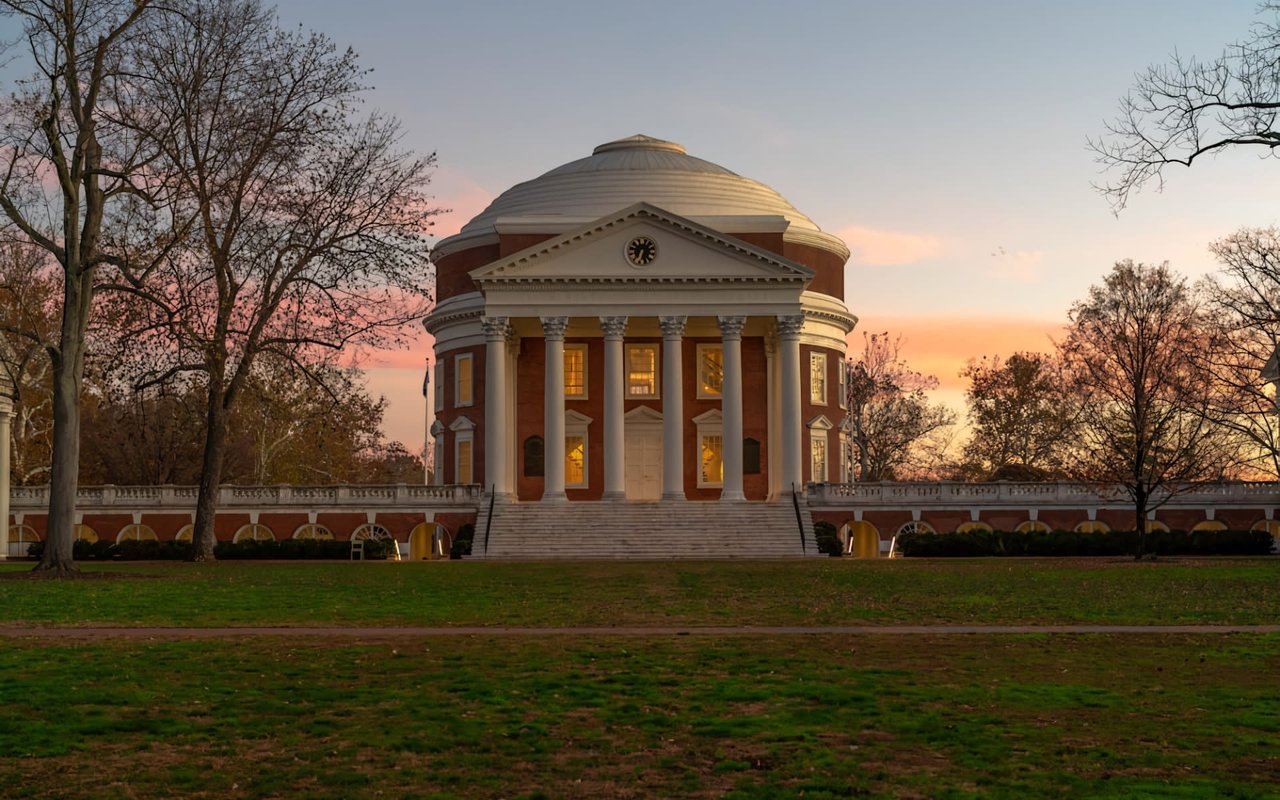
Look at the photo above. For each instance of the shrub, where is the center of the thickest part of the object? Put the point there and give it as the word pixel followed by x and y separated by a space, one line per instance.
pixel 1073 543
pixel 462 542
pixel 828 542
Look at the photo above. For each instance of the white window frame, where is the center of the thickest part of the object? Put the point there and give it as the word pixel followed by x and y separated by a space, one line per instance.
pixel 438 388
pixel 704 348
pixel 710 423
pixel 579 347
pixel 463 432
pixel 656 347
pixel 458 361
pixel 816 397
pixel 819 428
pixel 843 398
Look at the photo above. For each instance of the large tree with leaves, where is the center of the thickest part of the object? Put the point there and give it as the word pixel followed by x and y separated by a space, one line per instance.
pixel 890 415
pixel 1023 416
pixel 1133 350
pixel 1179 112
pixel 65 169
pixel 310 222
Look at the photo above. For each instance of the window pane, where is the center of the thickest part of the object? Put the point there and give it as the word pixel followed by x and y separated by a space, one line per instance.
pixel 575 460
pixel 642 371
pixel 464 380
pixel 464 462
pixel 712 459
pixel 710 371
pixel 575 371
pixel 817 378
pixel 818 449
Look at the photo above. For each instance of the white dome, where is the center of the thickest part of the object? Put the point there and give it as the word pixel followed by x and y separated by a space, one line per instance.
pixel 640 169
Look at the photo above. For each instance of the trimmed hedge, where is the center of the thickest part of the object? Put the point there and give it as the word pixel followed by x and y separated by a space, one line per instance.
pixel 287 549
pixel 1072 543
pixel 828 541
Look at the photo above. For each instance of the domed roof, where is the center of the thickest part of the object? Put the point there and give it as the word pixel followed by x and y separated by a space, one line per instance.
pixel 640 168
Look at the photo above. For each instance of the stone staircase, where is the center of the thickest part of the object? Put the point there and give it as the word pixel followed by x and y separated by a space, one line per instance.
pixel 643 531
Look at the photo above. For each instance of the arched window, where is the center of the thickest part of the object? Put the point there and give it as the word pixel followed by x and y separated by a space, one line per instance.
pixel 1032 526
pixel 21 537
pixel 86 534
pixel 1209 525
pixel 313 531
pixel 1156 526
pixel 1092 526
pixel 254 533
pixel 185 534
pixel 915 526
pixel 371 530
pixel 1271 526
pixel 972 527
pixel 534 455
pixel 136 533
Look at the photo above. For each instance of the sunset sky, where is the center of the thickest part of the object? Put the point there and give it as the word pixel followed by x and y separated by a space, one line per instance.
pixel 944 141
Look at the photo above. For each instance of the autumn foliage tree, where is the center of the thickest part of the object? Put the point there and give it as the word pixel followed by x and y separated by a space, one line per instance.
pixel 1133 351
pixel 890 415
pixel 1023 416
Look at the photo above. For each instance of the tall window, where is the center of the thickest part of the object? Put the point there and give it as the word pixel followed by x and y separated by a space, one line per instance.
pixel 575 371
pixel 711 460
pixel 818 378
pixel 575 461
pixel 710 370
pixel 462 465
pixel 843 398
pixel 463 394
pixel 642 370
pixel 818 454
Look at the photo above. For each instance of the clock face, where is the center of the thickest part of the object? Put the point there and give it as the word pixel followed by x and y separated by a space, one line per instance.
pixel 642 251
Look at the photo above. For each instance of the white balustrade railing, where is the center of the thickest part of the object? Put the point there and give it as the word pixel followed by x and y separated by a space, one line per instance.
pixel 948 493
pixel 30 499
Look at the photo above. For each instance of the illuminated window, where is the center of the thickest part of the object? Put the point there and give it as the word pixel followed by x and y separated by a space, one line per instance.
pixel 973 527
pixel 642 370
pixel 711 448
pixel 254 533
pixel 710 370
pixel 915 526
pixel 575 461
pixel 818 378
pixel 185 533
pixel 1092 526
pixel 462 380
pixel 818 456
pixel 437 388
pixel 86 534
pixel 136 533
pixel 313 531
pixel 843 397
pixel 1032 526
pixel 462 464
pixel 575 371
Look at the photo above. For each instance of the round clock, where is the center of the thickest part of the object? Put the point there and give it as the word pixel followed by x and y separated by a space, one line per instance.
pixel 641 251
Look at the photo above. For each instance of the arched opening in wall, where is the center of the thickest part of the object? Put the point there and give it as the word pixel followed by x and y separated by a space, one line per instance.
pixel 1156 526
pixel 863 540
pixel 21 537
pixel 86 534
pixel 136 533
pixel 186 533
pixel 1092 526
pixel 311 530
pixel 914 526
pixel 254 532
pixel 1208 525
pixel 973 527
pixel 1032 526
pixel 371 531
pixel 428 541
pixel 1271 526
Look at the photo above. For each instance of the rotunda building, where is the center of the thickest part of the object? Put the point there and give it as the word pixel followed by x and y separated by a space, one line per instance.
pixel 639 325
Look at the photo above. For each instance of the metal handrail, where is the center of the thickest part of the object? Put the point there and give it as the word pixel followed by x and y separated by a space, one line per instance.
pixel 795 501
pixel 488 520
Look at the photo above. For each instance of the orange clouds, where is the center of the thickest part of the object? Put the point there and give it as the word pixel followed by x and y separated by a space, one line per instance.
pixel 942 345
pixel 888 248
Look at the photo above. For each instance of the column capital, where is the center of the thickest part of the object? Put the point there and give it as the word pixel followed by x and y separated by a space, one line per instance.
pixel 790 324
pixel 672 327
pixel 731 327
pixel 495 328
pixel 613 327
pixel 553 327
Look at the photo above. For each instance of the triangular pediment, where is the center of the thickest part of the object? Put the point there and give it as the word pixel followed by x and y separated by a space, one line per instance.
pixel 675 250
pixel 643 414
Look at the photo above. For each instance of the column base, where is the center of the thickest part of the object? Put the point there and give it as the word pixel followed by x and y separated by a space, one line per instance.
pixel 732 497
pixel 559 497
pixel 614 496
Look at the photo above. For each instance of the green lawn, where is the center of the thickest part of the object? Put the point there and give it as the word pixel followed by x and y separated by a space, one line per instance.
pixel 697 716
pixel 815 592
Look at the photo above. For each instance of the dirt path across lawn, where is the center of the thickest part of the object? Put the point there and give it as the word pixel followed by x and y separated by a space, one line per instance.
pixel 411 632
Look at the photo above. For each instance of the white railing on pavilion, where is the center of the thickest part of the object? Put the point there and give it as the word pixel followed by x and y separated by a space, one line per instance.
pixel 344 496
pixel 890 494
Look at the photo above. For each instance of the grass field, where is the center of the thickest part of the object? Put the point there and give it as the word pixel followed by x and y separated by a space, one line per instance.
pixel 814 592
pixel 742 716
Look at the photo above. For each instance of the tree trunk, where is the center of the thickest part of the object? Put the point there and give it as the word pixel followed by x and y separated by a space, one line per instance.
pixel 215 448
pixel 1140 521
pixel 68 377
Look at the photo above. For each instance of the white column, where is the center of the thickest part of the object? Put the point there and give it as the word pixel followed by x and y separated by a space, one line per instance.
pixel 789 357
pixel 495 404
pixel 5 411
pixel 672 408
pixel 772 436
pixel 512 459
pixel 615 463
pixel 553 409
pixel 731 406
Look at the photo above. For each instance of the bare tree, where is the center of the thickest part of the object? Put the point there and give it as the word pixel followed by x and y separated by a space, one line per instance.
pixel 63 166
pixel 1022 416
pixel 1245 299
pixel 1133 350
pixel 310 222
pixel 1178 112
pixel 28 322
pixel 890 415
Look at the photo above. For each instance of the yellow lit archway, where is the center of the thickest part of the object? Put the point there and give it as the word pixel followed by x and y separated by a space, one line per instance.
pixel 428 541
pixel 1092 526
pixel 136 533
pixel 1271 526
pixel 1209 525
pixel 1032 526
pixel 973 527
pixel 864 540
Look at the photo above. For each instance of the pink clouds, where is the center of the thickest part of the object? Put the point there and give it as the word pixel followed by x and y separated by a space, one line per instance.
pixel 888 248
